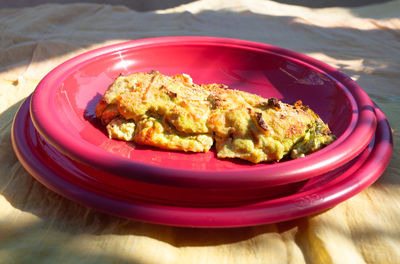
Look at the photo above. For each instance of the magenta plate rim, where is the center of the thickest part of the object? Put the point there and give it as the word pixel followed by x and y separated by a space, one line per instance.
pixel 345 148
pixel 270 211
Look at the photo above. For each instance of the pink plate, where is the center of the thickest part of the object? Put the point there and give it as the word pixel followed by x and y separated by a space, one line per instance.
pixel 60 174
pixel 62 109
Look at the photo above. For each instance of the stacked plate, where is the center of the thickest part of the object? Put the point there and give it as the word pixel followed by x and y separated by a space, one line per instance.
pixel 60 142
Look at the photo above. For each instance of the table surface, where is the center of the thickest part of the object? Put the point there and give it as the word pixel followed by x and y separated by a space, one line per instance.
pixel 39 226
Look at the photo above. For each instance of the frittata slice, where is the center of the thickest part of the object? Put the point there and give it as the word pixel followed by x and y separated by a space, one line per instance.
pixel 171 112
pixel 166 112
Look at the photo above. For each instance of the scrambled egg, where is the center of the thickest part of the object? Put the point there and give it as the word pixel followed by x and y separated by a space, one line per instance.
pixel 171 112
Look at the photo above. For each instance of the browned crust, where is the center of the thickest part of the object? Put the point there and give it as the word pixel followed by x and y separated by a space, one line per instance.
pixel 260 121
pixel 273 102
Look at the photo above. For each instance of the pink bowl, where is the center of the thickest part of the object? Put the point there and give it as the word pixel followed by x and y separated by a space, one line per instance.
pixel 62 175
pixel 62 109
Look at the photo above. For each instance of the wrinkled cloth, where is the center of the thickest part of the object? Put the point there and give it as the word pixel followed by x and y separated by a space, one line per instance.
pixel 39 226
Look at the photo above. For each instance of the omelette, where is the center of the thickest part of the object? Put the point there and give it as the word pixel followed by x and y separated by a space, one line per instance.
pixel 173 113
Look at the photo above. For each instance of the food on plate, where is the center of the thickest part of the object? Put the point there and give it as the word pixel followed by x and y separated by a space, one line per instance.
pixel 171 112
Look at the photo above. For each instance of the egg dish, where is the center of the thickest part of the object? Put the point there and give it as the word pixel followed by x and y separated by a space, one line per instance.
pixel 173 113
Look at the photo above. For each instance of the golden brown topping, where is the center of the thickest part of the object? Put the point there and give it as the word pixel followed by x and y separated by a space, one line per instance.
pixel 263 104
pixel 294 130
pixel 260 121
pixel 273 102
pixel 215 100
pixel 298 104
pixel 171 93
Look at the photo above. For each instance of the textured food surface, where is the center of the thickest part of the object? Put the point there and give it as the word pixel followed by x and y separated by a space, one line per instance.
pixel 171 112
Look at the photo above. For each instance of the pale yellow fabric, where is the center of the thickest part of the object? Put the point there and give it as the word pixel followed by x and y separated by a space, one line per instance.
pixel 39 226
